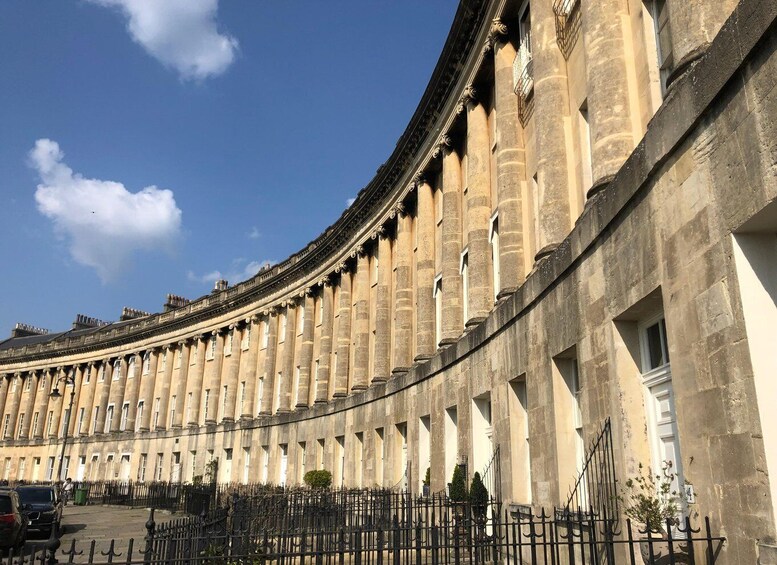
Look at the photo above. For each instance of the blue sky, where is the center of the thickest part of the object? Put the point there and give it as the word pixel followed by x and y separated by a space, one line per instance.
pixel 148 147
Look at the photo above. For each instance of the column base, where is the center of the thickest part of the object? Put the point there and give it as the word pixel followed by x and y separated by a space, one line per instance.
pixel 357 388
pixel 141 429
pixel 598 186
pixel 283 411
pixel 423 357
pixel 472 322
pixel 505 292
pixel 545 251
pixel 176 427
pixel 319 402
pixel 399 371
pixel 210 422
pixel 340 394
pixel 245 417
pixel 301 407
pixel 446 341
pixel 264 413
pixel 378 380
pixel 684 65
pixel 228 420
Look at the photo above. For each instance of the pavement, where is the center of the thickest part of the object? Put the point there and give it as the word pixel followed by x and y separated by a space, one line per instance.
pixel 102 525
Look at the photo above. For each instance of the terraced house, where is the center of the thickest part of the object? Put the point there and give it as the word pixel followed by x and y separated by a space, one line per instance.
pixel 578 223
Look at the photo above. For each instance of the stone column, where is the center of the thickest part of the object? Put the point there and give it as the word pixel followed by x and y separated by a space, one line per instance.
pixel 133 389
pixel 117 393
pixel 30 406
pixel 266 402
pixel 195 387
pixel 252 326
pixel 361 330
pixel 425 313
pixel 609 109
pixel 147 385
pixel 325 349
pixel 343 334
pixel 56 404
pixel 43 403
pixel 5 385
pixel 213 378
pixel 693 25
pixel 452 323
pixel 403 331
pixel 180 384
pixel 78 374
pixel 164 390
pixel 232 373
pixel 88 400
pixel 480 297
pixel 306 351
pixel 551 112
pixel 287 365
pixel 382 353
pixel 510 169
pixel 105 391
pixel 13 401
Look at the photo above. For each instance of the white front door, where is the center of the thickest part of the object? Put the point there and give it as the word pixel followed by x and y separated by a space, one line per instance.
pixel 125 468
pixel 81 471
pixel 663 428
pixel 284 465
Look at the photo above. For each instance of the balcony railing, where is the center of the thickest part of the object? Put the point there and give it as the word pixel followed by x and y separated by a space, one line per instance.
pixel 523 69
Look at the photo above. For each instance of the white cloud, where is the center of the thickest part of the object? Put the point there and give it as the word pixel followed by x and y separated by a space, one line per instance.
pixel 239 271
pixel 181 34
pixel 349 202
pixel 102 222
pixel 254 233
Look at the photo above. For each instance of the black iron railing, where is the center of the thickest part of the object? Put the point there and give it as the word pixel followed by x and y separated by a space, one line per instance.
pixel 595 488
pixel 228 535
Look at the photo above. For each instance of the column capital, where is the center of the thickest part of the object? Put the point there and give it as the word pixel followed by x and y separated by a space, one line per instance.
pixel 419 178
pixel 357 251
pixel 443 144
pixel 324 281
pixel 305 292
pixel 496 34
pixel 342 268
pixel 469 96
pixel 380 231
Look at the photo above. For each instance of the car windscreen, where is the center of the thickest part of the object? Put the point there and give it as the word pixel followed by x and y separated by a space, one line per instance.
pixel 5 505
pixel 35 495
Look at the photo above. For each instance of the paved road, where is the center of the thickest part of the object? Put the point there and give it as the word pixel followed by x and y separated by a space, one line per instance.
pixel 103 524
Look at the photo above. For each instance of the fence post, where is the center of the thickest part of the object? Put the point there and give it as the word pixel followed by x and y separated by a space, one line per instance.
pixel 341 546
pixel 396 540
pixel 52 545
pixel 150 529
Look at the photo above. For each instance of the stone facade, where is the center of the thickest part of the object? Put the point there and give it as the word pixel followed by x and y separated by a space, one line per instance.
pixel 559 237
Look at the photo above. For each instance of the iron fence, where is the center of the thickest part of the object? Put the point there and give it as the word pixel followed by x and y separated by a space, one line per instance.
pixel 227 536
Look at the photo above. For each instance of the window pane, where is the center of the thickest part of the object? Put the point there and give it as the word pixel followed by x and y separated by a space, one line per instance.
pixel 655 347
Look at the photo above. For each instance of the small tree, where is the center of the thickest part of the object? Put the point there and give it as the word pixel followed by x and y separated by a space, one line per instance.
pixel 428 476
pixel 478 493
pixel 651 499
pixel 457 488
pixel 321 479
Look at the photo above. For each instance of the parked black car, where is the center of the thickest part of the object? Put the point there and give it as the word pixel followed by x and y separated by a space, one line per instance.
pixel 13 522
pixel 43 506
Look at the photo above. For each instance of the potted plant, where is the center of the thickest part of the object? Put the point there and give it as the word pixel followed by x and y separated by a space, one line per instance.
pixel 427 482
pixel 653 502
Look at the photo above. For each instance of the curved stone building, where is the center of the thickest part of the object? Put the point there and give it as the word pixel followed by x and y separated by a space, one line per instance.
pixel 579 222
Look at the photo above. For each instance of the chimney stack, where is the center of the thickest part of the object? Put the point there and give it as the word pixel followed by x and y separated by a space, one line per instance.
pixel 83 322
pixel 132 314
pixel 221 284
pixel 26 330
pixel 174 301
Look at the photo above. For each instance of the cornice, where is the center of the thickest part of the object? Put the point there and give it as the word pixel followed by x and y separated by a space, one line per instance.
pixel 375 204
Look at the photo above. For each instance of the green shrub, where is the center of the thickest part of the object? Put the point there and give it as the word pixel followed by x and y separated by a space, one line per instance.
pixel 457 488
pixel 478 493
pixel 318 479
pixel 428 476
